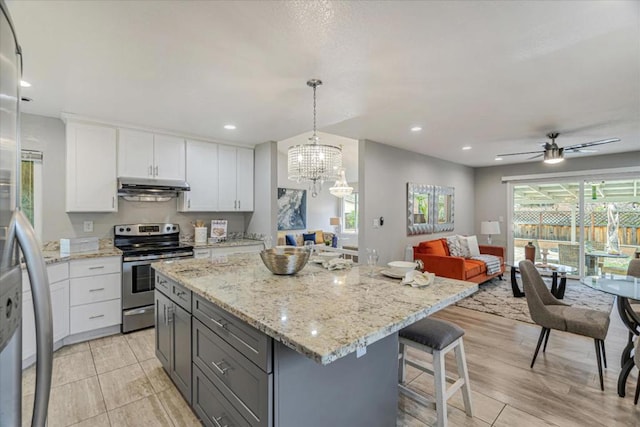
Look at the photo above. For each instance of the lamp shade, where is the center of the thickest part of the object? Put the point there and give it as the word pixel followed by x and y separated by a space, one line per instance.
pixel 334 221
pixel 489 227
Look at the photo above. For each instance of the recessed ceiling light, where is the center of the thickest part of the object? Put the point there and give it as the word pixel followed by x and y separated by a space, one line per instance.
pixel 498 158
pixel 24 83
pixel 416 129
pixel 466 147
pixel 230 127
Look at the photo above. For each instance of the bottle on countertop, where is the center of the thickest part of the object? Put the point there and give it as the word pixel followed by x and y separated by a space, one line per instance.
pixel 408 253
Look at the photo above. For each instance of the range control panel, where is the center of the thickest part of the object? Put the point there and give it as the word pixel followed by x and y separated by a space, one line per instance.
pixel 145 229
pixel 10 304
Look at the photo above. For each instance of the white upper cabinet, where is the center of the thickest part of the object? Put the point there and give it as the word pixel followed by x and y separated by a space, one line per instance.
pixel 135 154
pixel 235 169
pixel 91 183
pixel 169 157
pixel 244 179
pixel 202 176
pixel 145 155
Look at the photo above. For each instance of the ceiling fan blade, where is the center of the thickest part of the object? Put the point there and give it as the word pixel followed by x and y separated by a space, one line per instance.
pixel 591 144
pixel 535 157
pixel 518 154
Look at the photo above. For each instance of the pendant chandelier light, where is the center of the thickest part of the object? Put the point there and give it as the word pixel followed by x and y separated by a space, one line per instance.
pixel 341 187
pixel 314 163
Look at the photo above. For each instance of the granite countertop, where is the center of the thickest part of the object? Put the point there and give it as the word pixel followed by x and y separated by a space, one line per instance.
pixel 227 244
pixel 51 252
pixel 322 314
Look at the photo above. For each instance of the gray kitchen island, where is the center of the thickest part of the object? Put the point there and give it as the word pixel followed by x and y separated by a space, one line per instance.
pixel 320 348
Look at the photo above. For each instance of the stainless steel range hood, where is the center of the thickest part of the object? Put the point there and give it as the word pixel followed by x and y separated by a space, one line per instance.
pixel 150 190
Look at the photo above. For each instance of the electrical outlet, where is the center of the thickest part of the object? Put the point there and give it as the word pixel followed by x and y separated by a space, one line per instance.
pixel 376 223
pixel 88 226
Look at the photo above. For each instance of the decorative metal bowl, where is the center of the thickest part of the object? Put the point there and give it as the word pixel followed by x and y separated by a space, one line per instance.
pixel 285 261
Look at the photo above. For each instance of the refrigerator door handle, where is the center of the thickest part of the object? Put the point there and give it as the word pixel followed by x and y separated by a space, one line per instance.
pixel 37 270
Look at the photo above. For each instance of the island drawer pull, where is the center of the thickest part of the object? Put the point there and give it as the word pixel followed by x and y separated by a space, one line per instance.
pixel 219 323
pixel 170 311
pixel 217 421
pixel 97 267
pixel 96 289
pixel 96 317
pixel 179 294
pixel 223 371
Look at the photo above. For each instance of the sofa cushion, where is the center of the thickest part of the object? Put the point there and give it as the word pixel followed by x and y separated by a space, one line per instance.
pixel 291 241
pixel 433 247
pixel 309 236
pixel 482 267
pixel 471 268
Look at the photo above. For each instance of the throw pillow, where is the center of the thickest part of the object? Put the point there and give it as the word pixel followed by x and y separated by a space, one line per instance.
pixel 470 244
pixel 309 236
pixel 320 237
pixel 291 241
pixel 432 247
pixel 456 248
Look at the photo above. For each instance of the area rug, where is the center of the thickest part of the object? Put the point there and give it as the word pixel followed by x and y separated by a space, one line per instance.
pixel 496 297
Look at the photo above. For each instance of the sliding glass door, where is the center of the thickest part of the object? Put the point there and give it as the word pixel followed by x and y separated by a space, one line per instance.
pixel 590 226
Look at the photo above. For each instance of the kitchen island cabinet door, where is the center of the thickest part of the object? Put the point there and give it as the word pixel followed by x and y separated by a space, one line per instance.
pixel 163 330
pixel 135 154
pixel 202 176
pixel 181 351
pixel 169 157
pixel 91 183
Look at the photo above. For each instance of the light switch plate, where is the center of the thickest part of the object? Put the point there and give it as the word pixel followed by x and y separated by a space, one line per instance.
pixel 88 226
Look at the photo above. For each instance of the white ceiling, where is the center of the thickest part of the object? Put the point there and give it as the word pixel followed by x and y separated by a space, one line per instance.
pixel 495 75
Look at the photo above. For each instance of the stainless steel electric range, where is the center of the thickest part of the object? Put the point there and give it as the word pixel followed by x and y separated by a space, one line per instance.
pixel 142 244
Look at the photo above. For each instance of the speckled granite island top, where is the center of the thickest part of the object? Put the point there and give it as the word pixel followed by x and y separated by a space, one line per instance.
pixel 322 314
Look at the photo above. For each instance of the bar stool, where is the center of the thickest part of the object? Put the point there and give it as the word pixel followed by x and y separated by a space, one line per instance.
pixel 436 337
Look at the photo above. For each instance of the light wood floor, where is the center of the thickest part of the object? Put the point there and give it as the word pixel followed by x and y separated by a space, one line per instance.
pixel 117 381
pixel 561 390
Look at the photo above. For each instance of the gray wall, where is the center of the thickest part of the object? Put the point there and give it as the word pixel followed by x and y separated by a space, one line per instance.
pixel 383 173
pixel 263 219
pixel 47 134
pixel 320 208
pixel 491 193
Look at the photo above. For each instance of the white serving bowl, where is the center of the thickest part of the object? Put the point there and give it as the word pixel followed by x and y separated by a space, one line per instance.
pixel 402 266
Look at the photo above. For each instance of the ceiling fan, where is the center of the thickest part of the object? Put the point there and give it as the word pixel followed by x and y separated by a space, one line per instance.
pixel 554 154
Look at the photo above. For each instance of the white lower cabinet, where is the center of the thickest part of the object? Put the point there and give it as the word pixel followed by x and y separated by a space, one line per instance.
pixel 59 286
pixel 85 296
pixel 98 315
pixel 201 253
pixel 95 294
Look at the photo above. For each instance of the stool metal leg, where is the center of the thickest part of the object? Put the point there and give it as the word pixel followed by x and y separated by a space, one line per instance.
pixel 441 387
pixel 402 355
pixel 464 374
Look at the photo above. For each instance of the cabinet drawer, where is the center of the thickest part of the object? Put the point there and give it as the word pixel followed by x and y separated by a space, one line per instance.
pixel 201 253
pixel 85 290
pixel 94 316
pixel 177 293
pixel 249 341
pixel 211 406
pixel 95 266
pixel 245 385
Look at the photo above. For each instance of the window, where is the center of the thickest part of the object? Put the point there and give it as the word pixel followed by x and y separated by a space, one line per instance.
pixel 350 213
pixel 31 188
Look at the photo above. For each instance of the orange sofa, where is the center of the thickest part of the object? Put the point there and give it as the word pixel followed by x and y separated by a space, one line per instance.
pixel 435 256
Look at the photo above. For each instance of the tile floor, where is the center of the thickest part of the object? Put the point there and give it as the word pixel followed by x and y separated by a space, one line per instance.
pixel 112 381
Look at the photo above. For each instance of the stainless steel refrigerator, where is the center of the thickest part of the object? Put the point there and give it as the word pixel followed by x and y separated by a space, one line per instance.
pixel 16 233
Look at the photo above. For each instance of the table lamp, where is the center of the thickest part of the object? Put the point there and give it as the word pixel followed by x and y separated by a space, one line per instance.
pixel 335 221
pixel 489 228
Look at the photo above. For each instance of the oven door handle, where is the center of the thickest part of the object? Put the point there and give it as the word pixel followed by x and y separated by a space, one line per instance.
pixel 153 258
pixel 137 263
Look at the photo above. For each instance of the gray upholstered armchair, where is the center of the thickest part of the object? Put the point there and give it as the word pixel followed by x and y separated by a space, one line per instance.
pixel 550 313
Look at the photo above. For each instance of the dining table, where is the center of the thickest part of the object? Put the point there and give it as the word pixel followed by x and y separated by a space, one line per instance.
pixel 592 259
pixel 625 288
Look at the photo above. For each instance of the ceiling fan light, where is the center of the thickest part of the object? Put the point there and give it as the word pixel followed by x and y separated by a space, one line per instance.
pixel 553 156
